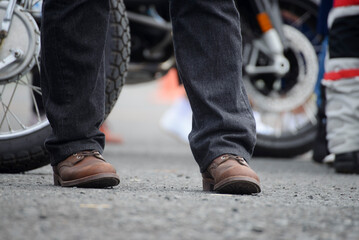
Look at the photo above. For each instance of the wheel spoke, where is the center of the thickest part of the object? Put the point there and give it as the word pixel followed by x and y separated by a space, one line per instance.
pixel 34 100
pixel 7 109
pixel 278 126
pixel 38 64
pixel 294 127
pixel 14 116
pixel 5 117
pixel 302 19
pixel 3 107
pixel 2 91
pixel 310 113
pixel 32 87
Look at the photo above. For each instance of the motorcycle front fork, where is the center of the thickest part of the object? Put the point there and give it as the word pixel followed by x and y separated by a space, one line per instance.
pixel 6 21
pixel 271 40
pixel 15 54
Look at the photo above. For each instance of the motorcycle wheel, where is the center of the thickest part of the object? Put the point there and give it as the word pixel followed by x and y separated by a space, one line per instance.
pixel 23 128
pixel 286 118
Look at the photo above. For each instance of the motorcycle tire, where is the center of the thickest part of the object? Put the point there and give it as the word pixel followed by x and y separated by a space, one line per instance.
pixel 24 151
pixel 289 144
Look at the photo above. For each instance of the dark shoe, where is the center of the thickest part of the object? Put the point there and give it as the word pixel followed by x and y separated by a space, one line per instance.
pixel 230 174
pixel 85 169
pixel 347 162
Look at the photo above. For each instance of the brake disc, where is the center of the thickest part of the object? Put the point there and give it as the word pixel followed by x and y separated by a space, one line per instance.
pixel 22 42
pixel 305 81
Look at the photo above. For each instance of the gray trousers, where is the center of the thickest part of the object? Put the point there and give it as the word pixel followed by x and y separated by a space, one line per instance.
pixel 207 41
pixel 342 80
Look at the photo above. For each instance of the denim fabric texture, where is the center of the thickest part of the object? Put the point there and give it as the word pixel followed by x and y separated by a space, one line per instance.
pixel 208 48
pixel 207 41
pixel 72 74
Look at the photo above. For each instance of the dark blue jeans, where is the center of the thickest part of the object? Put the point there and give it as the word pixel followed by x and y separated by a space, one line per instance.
pixel 208 50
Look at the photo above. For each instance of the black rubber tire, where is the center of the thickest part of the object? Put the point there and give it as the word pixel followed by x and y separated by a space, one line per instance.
pixel 27 152
pixel 290 145
pixel 286 146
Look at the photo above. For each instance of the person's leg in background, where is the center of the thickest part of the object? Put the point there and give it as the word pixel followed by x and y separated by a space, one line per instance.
pixel 320 147
pixel 72 81
pixel 342 85
pixel 207 42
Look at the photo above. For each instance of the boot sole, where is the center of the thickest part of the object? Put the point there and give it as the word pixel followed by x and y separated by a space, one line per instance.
pixel 346 167
pixel 347 163
pixel 102 180
pixel 233 185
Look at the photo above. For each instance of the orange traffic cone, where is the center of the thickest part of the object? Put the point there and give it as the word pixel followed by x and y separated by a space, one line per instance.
pixel 110 137
pixel 169 87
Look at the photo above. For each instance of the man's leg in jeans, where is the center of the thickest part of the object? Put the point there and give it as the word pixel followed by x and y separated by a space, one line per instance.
pixel 72 60
pixel 208 50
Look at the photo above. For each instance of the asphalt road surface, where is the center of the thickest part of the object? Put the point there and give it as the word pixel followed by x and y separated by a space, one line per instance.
pixel 160 195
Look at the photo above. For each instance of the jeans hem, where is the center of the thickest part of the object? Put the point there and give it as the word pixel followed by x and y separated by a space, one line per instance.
pixel 209 158
pixel 67 151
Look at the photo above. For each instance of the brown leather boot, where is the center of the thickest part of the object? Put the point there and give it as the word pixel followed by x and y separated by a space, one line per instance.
pixel 85 169
pixel 230 174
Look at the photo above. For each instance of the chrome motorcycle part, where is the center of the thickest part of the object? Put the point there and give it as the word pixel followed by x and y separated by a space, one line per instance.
pixel 270 45
pixel 6 21
pixel 15 54
pixel 276 18
pixel 301 54
pixel 151 34
pixel 23 36
pixel 150 21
